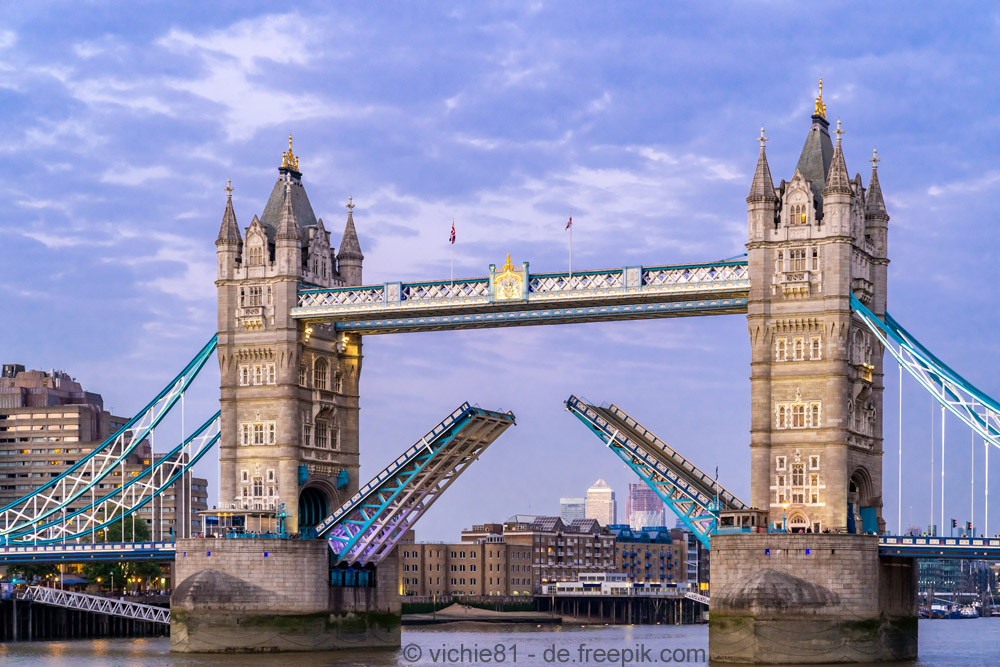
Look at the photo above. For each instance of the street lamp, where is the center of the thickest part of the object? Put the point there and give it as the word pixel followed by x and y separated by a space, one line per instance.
pixel 784 517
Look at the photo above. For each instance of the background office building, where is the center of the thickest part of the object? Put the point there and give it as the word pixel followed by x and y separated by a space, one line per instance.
pixel 600 503
pixel 643 507
pixel 48 423
pixel 571 509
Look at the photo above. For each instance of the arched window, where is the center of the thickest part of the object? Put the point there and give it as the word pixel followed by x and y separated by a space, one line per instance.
pixel 302 375
pixel 319 373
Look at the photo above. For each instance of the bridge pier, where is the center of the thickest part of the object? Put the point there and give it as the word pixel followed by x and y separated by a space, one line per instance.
pixel 810 598
pixel 272 595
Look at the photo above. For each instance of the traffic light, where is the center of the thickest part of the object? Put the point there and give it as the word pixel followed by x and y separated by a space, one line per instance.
pixel 968 526
pixel 954 523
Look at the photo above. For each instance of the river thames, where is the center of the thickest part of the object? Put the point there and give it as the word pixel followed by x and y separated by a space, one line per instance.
pixel 942 642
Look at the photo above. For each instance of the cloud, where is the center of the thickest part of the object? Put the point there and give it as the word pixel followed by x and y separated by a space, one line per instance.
pixel 984 182
pixel 129 175
pixel 8 38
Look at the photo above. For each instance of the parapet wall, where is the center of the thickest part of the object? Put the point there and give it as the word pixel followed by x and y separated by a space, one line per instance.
pixel 271 595
pixel 252 575
pixel 810 598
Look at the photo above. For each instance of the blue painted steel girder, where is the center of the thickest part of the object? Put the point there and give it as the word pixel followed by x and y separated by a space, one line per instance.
pixel 72 552
pixel 688 492
pixel 365 528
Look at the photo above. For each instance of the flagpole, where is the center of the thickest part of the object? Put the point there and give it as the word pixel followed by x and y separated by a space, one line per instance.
pixel 571 249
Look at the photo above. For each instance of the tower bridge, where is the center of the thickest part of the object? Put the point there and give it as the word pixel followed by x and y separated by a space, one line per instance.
pixel 292 314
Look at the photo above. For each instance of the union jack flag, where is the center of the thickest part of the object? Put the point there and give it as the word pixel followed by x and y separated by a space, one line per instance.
pixel 570 223
pixel 452 237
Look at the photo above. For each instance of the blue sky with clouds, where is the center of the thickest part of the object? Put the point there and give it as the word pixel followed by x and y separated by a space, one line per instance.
pixel 122 122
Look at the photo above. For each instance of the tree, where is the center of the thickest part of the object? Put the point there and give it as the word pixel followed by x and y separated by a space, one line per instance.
pixel 31 572
pixel 126 529
pixel 123 574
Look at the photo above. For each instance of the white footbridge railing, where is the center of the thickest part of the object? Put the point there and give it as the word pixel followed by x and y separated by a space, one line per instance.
pixel 96 604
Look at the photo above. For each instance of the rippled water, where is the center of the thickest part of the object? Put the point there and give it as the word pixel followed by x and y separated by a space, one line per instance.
pixel 942 642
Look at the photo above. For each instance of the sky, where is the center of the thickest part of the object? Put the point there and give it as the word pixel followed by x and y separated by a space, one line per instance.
pixel 122 121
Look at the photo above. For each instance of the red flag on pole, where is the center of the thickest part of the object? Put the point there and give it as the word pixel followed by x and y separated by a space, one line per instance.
pixel 570 223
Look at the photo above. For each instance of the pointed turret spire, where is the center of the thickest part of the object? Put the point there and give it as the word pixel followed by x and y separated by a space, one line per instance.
pixel 349 257
pixel 229 231
pixel 875 204
pixel 762 188
pixel 837 181
pixel 350 247
pixel 288 228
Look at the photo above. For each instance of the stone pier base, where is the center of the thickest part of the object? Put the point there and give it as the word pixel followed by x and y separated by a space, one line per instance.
pixel 810 598
pixel 254 595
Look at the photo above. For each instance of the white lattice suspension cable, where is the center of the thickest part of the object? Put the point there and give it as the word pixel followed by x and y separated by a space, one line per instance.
pixel 942 459
pixel 186 482
pixel 930 530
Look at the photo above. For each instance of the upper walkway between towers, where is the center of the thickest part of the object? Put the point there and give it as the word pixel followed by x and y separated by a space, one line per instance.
pixel 511 296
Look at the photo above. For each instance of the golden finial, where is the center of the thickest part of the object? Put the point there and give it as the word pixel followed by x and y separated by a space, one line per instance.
pixel 875 159
pixel 820 109
pixel 288 159
pixel 507 265
pixel 229 188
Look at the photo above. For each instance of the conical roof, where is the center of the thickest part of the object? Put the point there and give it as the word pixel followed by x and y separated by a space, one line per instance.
pixel 875 204
pixel 817 153
pixel 288 227
pixel 762 188
pixel 350 246
pixel 837 179
pixel 229 230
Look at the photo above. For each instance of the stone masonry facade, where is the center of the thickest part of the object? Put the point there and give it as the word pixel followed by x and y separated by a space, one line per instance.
pixel 816 371
pixel 289 390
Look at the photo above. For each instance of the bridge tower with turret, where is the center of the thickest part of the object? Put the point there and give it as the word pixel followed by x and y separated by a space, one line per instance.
pixel 816 372
pixel 289 390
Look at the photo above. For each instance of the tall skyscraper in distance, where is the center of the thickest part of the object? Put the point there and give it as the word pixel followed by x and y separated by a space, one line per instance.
pixel 643 507
pixel 571 509
pixel 600 503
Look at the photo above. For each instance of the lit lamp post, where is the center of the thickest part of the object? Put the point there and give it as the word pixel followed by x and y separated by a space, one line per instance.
pixel 784 517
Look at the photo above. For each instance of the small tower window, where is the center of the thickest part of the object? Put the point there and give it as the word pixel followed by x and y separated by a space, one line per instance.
pixel 320 373
pixel 256 255
pixel 798 415
pixel 780 349
pixel 815 348
pixel 799 349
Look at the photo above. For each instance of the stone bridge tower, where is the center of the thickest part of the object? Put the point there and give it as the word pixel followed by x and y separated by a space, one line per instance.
pixel 289 391
pixel 816 372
